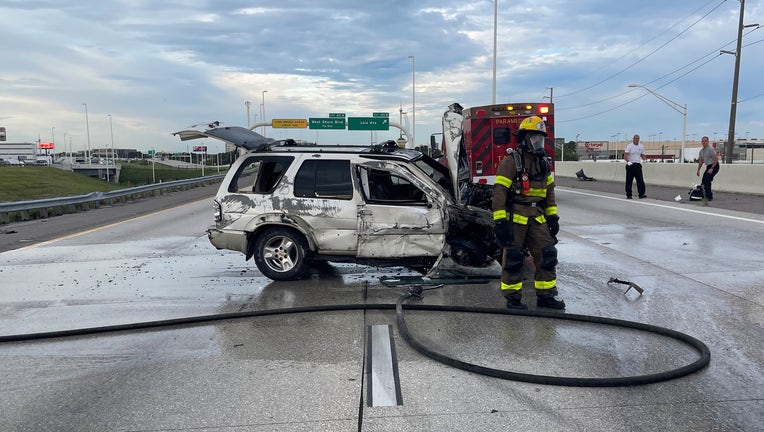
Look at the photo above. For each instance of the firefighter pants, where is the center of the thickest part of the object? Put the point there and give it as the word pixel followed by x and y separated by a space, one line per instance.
pixel 536 239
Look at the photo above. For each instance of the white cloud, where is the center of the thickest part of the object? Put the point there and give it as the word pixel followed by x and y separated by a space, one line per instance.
pixel 160 66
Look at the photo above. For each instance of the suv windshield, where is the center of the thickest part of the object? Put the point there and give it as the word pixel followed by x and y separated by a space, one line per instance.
pixel 435 171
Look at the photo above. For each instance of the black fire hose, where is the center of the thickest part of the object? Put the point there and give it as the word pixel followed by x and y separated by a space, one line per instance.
pixel 702 362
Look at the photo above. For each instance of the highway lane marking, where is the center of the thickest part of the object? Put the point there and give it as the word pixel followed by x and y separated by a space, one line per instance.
pixel 384 386
pixel 653 204
pixel 91 230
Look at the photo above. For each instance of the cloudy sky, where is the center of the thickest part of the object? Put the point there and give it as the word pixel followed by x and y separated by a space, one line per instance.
pixel 159 66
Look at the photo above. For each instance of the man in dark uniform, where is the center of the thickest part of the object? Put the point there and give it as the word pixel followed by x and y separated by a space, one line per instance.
pixel 525 217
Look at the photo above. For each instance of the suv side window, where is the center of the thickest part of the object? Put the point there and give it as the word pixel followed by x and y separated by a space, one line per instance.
pixel 324 179
pixel 264 172
pixel 384 187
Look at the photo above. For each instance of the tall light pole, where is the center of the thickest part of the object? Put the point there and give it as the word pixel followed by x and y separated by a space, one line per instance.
pixel 263 105
pixel 495 27
pixel 413 101
pixel 681 109
pixel 87 127
pixel 247 104
pixel 111 132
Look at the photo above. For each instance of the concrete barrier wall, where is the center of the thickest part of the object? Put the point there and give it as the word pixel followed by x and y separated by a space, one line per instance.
pixel 739 178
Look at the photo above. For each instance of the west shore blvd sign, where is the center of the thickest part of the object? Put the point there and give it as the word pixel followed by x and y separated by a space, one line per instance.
pixel 327 123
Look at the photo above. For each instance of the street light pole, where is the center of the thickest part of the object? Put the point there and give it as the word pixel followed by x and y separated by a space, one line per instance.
pixel 247 104
pixel 413 102
pixel 661 145
pixel 562 155
pixel 681 109
pixel 263 105
pixel 87 127
pixel 495 21
pixel 111 132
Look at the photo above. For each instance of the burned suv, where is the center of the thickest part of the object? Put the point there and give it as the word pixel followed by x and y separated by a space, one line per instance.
pixel 285 205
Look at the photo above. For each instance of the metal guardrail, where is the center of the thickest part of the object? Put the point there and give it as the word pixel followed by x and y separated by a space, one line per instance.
pixel 43 208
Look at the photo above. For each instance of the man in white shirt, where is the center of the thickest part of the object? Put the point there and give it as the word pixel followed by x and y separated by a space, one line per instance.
pixel 633 156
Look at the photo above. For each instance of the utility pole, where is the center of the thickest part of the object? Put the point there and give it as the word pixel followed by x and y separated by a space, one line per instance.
pixel 733 105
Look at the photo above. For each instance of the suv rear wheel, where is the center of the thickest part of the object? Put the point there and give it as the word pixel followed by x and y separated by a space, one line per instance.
pixel 281 254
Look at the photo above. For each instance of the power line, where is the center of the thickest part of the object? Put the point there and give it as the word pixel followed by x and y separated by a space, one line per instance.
pixel 652 52
pixel 639 97
pixel 715 53
pixel 752 97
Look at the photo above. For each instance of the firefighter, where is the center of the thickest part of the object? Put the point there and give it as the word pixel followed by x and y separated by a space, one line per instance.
pixel 525 217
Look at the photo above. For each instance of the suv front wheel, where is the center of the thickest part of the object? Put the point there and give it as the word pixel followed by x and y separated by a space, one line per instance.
pixel 281 254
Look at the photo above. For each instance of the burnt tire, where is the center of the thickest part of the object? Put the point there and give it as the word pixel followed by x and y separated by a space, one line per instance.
pixel 281 254
pixel 468 253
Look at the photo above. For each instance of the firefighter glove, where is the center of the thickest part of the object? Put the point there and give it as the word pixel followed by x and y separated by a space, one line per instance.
pixel 504 232
pixel 553 222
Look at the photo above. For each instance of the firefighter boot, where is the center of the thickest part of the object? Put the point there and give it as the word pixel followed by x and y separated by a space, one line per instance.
pixel 550 302
pixel 515 302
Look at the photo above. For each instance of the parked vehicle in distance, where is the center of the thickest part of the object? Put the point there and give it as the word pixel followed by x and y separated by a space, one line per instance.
pixel 285 205
pixel 11 162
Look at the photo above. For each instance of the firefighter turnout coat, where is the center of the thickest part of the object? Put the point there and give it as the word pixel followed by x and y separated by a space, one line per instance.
pixel 524 195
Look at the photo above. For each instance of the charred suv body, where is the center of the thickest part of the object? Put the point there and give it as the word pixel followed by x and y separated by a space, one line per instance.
pixel 285 205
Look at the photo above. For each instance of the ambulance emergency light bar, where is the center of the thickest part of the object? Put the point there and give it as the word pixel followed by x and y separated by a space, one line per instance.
pixel 528 109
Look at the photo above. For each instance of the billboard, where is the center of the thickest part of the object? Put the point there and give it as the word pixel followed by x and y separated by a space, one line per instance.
pixel 45 145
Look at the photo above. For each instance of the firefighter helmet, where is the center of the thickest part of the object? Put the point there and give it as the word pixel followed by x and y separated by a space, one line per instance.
pixel 532 124
pixel 531 133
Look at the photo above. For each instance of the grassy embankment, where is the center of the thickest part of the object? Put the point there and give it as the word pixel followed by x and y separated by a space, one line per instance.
pixel 30 183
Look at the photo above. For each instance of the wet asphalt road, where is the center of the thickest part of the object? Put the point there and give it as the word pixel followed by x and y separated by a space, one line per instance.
pixel 19 234
pixel 700 268
pixel 722 200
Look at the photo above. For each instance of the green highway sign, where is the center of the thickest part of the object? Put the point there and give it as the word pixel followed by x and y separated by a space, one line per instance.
pixel 337 115
pixel 380 114
pixel 150 152
pixel 327 123
pixel 368 123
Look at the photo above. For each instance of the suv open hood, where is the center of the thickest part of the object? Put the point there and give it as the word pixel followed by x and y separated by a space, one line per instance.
pixel 455 152
pixel 236 135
